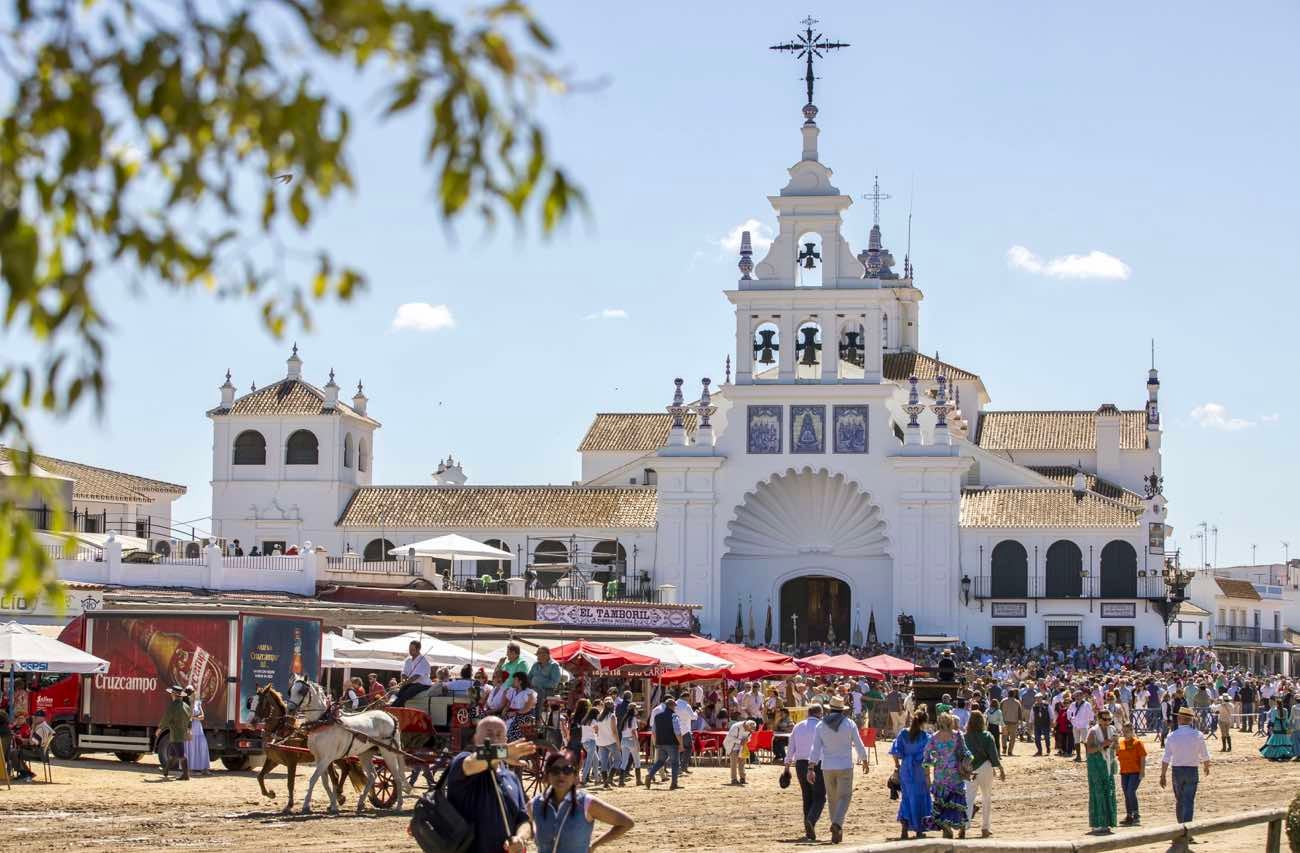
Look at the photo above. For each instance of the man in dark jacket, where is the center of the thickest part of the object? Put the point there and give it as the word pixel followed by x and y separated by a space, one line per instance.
pixel 1042 715
pixel 1246 698
pixel 175 723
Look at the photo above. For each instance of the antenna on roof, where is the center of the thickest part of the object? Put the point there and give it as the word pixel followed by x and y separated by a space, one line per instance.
pixel 907 257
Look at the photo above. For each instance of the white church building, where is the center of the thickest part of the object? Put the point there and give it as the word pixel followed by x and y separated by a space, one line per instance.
pixel 840 475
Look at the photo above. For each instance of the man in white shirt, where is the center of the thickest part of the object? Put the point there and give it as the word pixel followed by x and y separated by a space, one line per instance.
pixel 733 746
pixel 685 716
pixel 415 676
pixel 1184 750
pixel 1080 716
pixel 814 792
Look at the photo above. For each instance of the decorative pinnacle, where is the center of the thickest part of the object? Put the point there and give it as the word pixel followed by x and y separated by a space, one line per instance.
pixel 705 407
pixel 677 409
pixel 331 376
pixel 295 347
pixel 359 391
pixel 252 386
pixel 746 263
pixel 228 377
pixel 941 407
pixel 913 407
pixel 727 380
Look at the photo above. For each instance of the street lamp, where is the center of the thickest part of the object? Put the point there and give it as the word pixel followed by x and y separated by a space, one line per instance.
pixel 1176 581
pixel 965 588
pixel 794 627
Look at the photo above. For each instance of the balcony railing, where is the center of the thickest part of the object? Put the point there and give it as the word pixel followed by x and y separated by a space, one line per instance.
pixel 373 567
pixel 1149 587
pixel 1246 634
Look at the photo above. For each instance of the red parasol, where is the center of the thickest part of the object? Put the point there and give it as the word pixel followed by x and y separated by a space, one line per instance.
pixel 838 665
pixel 600 657
pixel 890 665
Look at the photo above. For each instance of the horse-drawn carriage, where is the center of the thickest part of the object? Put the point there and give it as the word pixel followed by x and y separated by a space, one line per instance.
pixel 378 744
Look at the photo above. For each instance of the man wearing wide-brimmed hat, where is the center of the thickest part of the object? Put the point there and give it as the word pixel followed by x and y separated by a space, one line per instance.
pixel 1184 750
pixel 835 742
pixel 175 723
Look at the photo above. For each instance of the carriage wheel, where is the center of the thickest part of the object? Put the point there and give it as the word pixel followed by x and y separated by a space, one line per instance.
pixel 530 774
pixel 383 794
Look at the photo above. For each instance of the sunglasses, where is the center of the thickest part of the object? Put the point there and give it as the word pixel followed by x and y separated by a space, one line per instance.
pixel 563 770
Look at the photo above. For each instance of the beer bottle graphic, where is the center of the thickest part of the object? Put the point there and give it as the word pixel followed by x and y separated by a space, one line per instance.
pixel 178 660
pixel 297 651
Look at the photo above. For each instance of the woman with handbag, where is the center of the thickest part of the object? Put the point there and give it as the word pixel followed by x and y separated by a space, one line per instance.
pixel 564 816
pixel 948 760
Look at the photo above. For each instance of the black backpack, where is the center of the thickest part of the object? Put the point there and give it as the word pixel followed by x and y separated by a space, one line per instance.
pixel 436 825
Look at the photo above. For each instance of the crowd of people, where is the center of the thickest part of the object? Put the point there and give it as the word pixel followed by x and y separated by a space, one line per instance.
pixel 1089 705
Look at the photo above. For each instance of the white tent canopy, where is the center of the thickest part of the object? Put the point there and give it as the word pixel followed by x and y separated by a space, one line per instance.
pixel 452 546
pixel 25 650
pixel 333 644
pixel 674 655
pixel 396 649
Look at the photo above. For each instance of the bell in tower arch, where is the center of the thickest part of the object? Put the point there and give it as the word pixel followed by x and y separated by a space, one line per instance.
pixel 765 344
pixel 809 347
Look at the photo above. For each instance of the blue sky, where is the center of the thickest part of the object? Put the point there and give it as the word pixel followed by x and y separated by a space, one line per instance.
pixel 1161 135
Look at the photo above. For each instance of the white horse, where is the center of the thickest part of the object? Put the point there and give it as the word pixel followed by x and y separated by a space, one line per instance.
pixel 353 735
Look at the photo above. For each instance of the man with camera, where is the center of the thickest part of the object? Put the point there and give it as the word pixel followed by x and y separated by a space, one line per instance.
pixel 481 787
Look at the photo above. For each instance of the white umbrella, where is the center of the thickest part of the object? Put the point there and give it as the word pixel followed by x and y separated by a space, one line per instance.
pixel 673 655
pixel 24 650
pixel 332 644
pixel 436 652
pixel 452 546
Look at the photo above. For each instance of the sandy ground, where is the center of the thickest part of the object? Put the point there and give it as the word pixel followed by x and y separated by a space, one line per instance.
pixel 102 805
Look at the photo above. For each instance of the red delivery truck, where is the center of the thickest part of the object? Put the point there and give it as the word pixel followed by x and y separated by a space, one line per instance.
pixel 224 656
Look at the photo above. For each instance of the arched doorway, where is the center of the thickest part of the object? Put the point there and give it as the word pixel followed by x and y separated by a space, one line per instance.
pixel 822 605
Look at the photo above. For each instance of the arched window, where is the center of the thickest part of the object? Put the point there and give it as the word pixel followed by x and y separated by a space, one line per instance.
pixel 1064 570
pixel 377 551
pixel 808 351
pixel 250 448
pixel 1009 570
pixel 1119 563
pixel 550 552
pixel 302 449
pixel 767 351
pixel 609 553
pixel 347 450
pixel 363 454
pixel 495 568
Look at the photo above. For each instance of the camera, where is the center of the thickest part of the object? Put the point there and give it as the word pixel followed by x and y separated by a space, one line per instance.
pixel 491 752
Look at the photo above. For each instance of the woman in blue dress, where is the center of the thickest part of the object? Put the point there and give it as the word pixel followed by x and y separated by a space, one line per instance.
pixel 1278 746
pixel 564 815
pixel 914 798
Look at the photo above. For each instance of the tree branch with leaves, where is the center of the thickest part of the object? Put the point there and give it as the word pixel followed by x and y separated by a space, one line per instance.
pixel 175 146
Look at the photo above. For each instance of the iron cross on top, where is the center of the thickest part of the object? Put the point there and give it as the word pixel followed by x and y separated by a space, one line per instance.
pixel 807 46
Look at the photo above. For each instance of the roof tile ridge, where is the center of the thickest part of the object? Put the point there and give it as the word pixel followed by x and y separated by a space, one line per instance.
pixel 39 456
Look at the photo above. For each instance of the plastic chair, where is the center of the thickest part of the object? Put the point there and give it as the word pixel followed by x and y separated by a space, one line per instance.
pixel 869 741
pixel 761 741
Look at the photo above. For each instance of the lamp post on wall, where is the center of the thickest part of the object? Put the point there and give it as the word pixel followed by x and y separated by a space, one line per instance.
pixel 965 588
pixel 794 628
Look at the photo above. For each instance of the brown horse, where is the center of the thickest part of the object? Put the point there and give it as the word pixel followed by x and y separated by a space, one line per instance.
pixel 271 709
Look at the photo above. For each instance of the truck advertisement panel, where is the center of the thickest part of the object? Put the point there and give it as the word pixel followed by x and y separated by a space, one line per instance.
pixel 273 649
pixel 146 655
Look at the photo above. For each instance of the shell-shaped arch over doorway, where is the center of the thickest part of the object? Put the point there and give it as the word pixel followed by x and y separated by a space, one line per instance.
pixel 807 512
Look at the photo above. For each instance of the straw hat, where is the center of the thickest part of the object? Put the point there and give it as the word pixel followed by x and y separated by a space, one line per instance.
pixel 836 703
